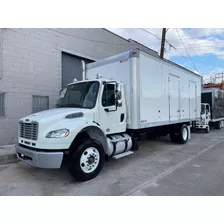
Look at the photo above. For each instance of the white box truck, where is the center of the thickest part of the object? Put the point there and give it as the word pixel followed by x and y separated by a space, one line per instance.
pixel 212 109
pixel 104 115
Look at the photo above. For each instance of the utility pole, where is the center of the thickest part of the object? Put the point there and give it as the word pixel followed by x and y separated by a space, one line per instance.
pixel 163 43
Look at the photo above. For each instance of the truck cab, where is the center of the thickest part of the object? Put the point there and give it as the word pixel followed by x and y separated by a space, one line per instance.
pixel 84 126
pixel 203 123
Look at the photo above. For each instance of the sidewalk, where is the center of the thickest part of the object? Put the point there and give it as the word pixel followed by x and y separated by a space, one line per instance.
pixel 7 154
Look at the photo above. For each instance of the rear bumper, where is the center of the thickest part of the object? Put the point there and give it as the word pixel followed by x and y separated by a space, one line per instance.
pixel 50 160
pixel 201 126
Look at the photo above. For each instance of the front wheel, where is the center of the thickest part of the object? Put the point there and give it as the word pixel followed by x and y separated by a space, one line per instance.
pixel 86 162
pixel 207 129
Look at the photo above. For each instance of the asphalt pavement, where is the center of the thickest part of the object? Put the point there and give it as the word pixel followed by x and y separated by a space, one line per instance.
pixel 159 167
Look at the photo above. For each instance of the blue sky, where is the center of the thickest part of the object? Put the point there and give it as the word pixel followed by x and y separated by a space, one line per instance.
pixel 200 50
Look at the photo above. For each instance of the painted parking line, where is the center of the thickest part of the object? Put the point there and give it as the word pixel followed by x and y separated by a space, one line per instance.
pixel 170 170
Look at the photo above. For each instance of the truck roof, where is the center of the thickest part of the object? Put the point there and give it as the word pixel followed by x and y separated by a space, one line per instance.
pixel 209 90
pixel 100 80
pixel 133 53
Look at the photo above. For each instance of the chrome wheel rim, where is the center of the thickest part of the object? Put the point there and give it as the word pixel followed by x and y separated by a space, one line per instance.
pixel 184 134
pixel 89 160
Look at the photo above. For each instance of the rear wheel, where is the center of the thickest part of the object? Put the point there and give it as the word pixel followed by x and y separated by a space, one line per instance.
pixel 174 137
pixel 181 136
pixel 184 134
pixel 218 125
pixel 86 162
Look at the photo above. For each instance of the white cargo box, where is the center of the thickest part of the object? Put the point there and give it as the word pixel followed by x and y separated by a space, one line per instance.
pixel 158 92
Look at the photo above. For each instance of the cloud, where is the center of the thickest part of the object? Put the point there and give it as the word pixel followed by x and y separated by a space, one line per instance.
pixel 185 43
pixel 204 32
pixel 191 44
pixel 215 75
pixel 140 36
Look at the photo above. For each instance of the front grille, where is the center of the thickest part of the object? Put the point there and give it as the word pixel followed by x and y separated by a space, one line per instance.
pixel 28 130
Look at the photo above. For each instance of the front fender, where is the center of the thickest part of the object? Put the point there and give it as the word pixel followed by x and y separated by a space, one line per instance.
pixel 75 126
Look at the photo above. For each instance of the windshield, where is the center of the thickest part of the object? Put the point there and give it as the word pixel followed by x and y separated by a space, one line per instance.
pixel 202 109
pixel 79 95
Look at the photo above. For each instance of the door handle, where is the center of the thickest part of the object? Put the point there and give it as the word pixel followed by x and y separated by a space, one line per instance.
pixel 122 117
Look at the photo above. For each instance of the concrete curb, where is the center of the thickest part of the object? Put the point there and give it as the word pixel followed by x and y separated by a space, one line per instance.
pixel 8 158
pixel 8 154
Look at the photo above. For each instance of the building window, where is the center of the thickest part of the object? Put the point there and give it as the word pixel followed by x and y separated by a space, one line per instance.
pixel 2 104
pixel 40 103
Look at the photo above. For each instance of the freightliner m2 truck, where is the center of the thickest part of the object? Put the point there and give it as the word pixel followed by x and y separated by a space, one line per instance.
pixel 103 116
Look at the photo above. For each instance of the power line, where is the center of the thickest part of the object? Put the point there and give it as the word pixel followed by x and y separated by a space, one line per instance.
pixel 174 48
pixel 187 52
pixel 220 45
pixel 185 38
pixel 207 48
pixel 204 36
pixel 182 55
pixel 202 54
pixel 177 51
pixel 197 47
pixel 201 51
pixel 150 33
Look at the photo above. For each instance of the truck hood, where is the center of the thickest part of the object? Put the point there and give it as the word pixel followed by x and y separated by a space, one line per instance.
pixel 57 114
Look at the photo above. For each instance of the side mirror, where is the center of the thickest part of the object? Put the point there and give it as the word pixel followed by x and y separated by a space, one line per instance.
pixel 119 103
pixel 118 92
pixel 118 95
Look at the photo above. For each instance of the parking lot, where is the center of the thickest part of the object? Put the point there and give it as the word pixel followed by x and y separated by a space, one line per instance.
pixel 159 167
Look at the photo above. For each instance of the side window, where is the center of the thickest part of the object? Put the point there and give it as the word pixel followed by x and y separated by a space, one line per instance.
pixel 207 109
pixel 108 98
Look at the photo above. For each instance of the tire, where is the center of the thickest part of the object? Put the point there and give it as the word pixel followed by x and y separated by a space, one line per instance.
pixel 218 125
pixel 86 162
pixel 151 136
pixel 184 134
pixel 207 129
pixel 174 137
pixel 135 145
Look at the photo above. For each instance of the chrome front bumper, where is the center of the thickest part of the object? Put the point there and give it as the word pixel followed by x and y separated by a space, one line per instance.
pixel 50 160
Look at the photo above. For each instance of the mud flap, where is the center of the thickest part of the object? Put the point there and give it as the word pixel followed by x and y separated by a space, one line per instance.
pixel 189 131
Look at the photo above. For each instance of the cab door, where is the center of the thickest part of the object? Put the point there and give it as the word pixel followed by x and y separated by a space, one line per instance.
pixel 112 116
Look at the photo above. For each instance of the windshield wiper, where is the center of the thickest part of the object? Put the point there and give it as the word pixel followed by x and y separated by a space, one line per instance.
pixel 59 105
pixel 71 105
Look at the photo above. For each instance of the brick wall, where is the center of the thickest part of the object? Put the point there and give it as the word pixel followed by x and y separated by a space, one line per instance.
pixel 31 64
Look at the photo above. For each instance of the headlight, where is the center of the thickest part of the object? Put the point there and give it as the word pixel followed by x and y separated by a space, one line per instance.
pixel 58 133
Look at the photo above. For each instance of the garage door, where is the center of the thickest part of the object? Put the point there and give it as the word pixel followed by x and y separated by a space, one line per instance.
pixel 72 68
